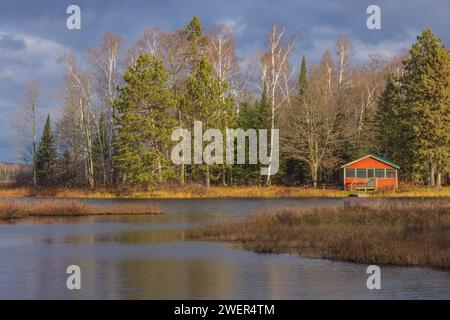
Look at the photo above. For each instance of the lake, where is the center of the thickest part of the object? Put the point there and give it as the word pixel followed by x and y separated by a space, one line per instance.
pixel 147 257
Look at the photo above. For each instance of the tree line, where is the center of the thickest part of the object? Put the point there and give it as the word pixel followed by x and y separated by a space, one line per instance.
pixel 119 111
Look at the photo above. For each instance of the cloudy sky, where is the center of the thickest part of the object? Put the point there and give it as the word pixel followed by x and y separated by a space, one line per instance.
pixel 33 34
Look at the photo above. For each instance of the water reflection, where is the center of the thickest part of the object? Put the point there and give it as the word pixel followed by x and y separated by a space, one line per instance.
pixel 146 257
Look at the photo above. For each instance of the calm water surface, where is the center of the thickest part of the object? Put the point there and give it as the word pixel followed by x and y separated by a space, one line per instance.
pixel 146 257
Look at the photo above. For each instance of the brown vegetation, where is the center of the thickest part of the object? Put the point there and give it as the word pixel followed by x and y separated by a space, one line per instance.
pixel 20 208
pixel 401 233
pixel 192 191
pixel 198 191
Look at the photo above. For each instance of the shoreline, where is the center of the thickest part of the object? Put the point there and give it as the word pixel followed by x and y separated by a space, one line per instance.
pixel 13 209
pixel 395 234
pixel 220 192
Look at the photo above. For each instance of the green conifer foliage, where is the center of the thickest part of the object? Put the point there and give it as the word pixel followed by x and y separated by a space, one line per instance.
pixel 144 125
pixel 46 156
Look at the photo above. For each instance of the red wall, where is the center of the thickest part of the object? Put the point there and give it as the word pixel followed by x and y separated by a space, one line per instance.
pixel 370 163
pixel 388 183
pixel 382 183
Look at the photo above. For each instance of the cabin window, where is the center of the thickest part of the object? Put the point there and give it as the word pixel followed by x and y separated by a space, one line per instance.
pixel 361 173
pixel 370 173
pixel 349 173
pixel 379 173
pixel 390 173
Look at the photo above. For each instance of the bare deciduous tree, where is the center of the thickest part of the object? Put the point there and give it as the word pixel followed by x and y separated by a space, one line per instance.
pixel 222 55
pixel 26 123
pixel 174 47
pixel 312 128
pixel 78 96
pixel 274 71
pixel 105 59
pixel 344 50
pixel 149 42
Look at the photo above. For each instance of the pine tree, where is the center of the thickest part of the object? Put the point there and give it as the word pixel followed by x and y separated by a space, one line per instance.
pixel 144 124
pixel 426 83
pixel 46 157
pixel 196 43
pixel 203 102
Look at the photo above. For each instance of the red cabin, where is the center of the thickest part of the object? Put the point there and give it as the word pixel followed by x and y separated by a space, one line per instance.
pixel 371 172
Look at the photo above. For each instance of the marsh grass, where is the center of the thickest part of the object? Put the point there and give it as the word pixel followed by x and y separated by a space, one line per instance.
pixel 199 191
pixel 18 208
pixel 175 192
pixel 415 192
pixel 401 233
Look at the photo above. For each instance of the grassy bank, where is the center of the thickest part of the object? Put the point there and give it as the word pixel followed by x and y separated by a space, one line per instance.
pixel 11 209
pixel 188 192
pixel 195 191
pixel 413 234
pixel 409 191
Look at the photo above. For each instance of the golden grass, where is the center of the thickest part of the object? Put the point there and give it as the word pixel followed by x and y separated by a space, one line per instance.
pixel 198 191
pixel 19 208
pixel 188 192
pixel 16 192
pixel 238 192
pixel 415 233
pixel 416 192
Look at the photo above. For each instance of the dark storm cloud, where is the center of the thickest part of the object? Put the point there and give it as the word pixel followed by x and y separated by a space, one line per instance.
pixel 33 33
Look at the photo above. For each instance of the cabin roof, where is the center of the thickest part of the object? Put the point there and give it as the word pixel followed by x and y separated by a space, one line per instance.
pixel 379 158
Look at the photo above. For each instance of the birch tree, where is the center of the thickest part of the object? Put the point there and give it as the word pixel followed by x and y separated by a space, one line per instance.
pixel 275 71
pixel 225 64
pixel 104 59
pixel 369 80
pixel 224 60
pixel 149 42
pixel 344 50
pixel 78 96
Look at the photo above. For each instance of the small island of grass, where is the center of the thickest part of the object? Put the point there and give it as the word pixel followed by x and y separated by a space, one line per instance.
pixel 401 233
pixel 15 208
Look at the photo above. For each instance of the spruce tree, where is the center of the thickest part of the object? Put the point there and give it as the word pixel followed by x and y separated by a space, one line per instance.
pixel 248 119
pixel 46 157
pixel 292 168
pixel 263 111
pixel 302 79
pixel 194 29
pixel 387 120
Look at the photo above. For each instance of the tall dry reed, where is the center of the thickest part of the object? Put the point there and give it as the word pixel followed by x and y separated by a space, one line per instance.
pixel 15 208
pixel 398 233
